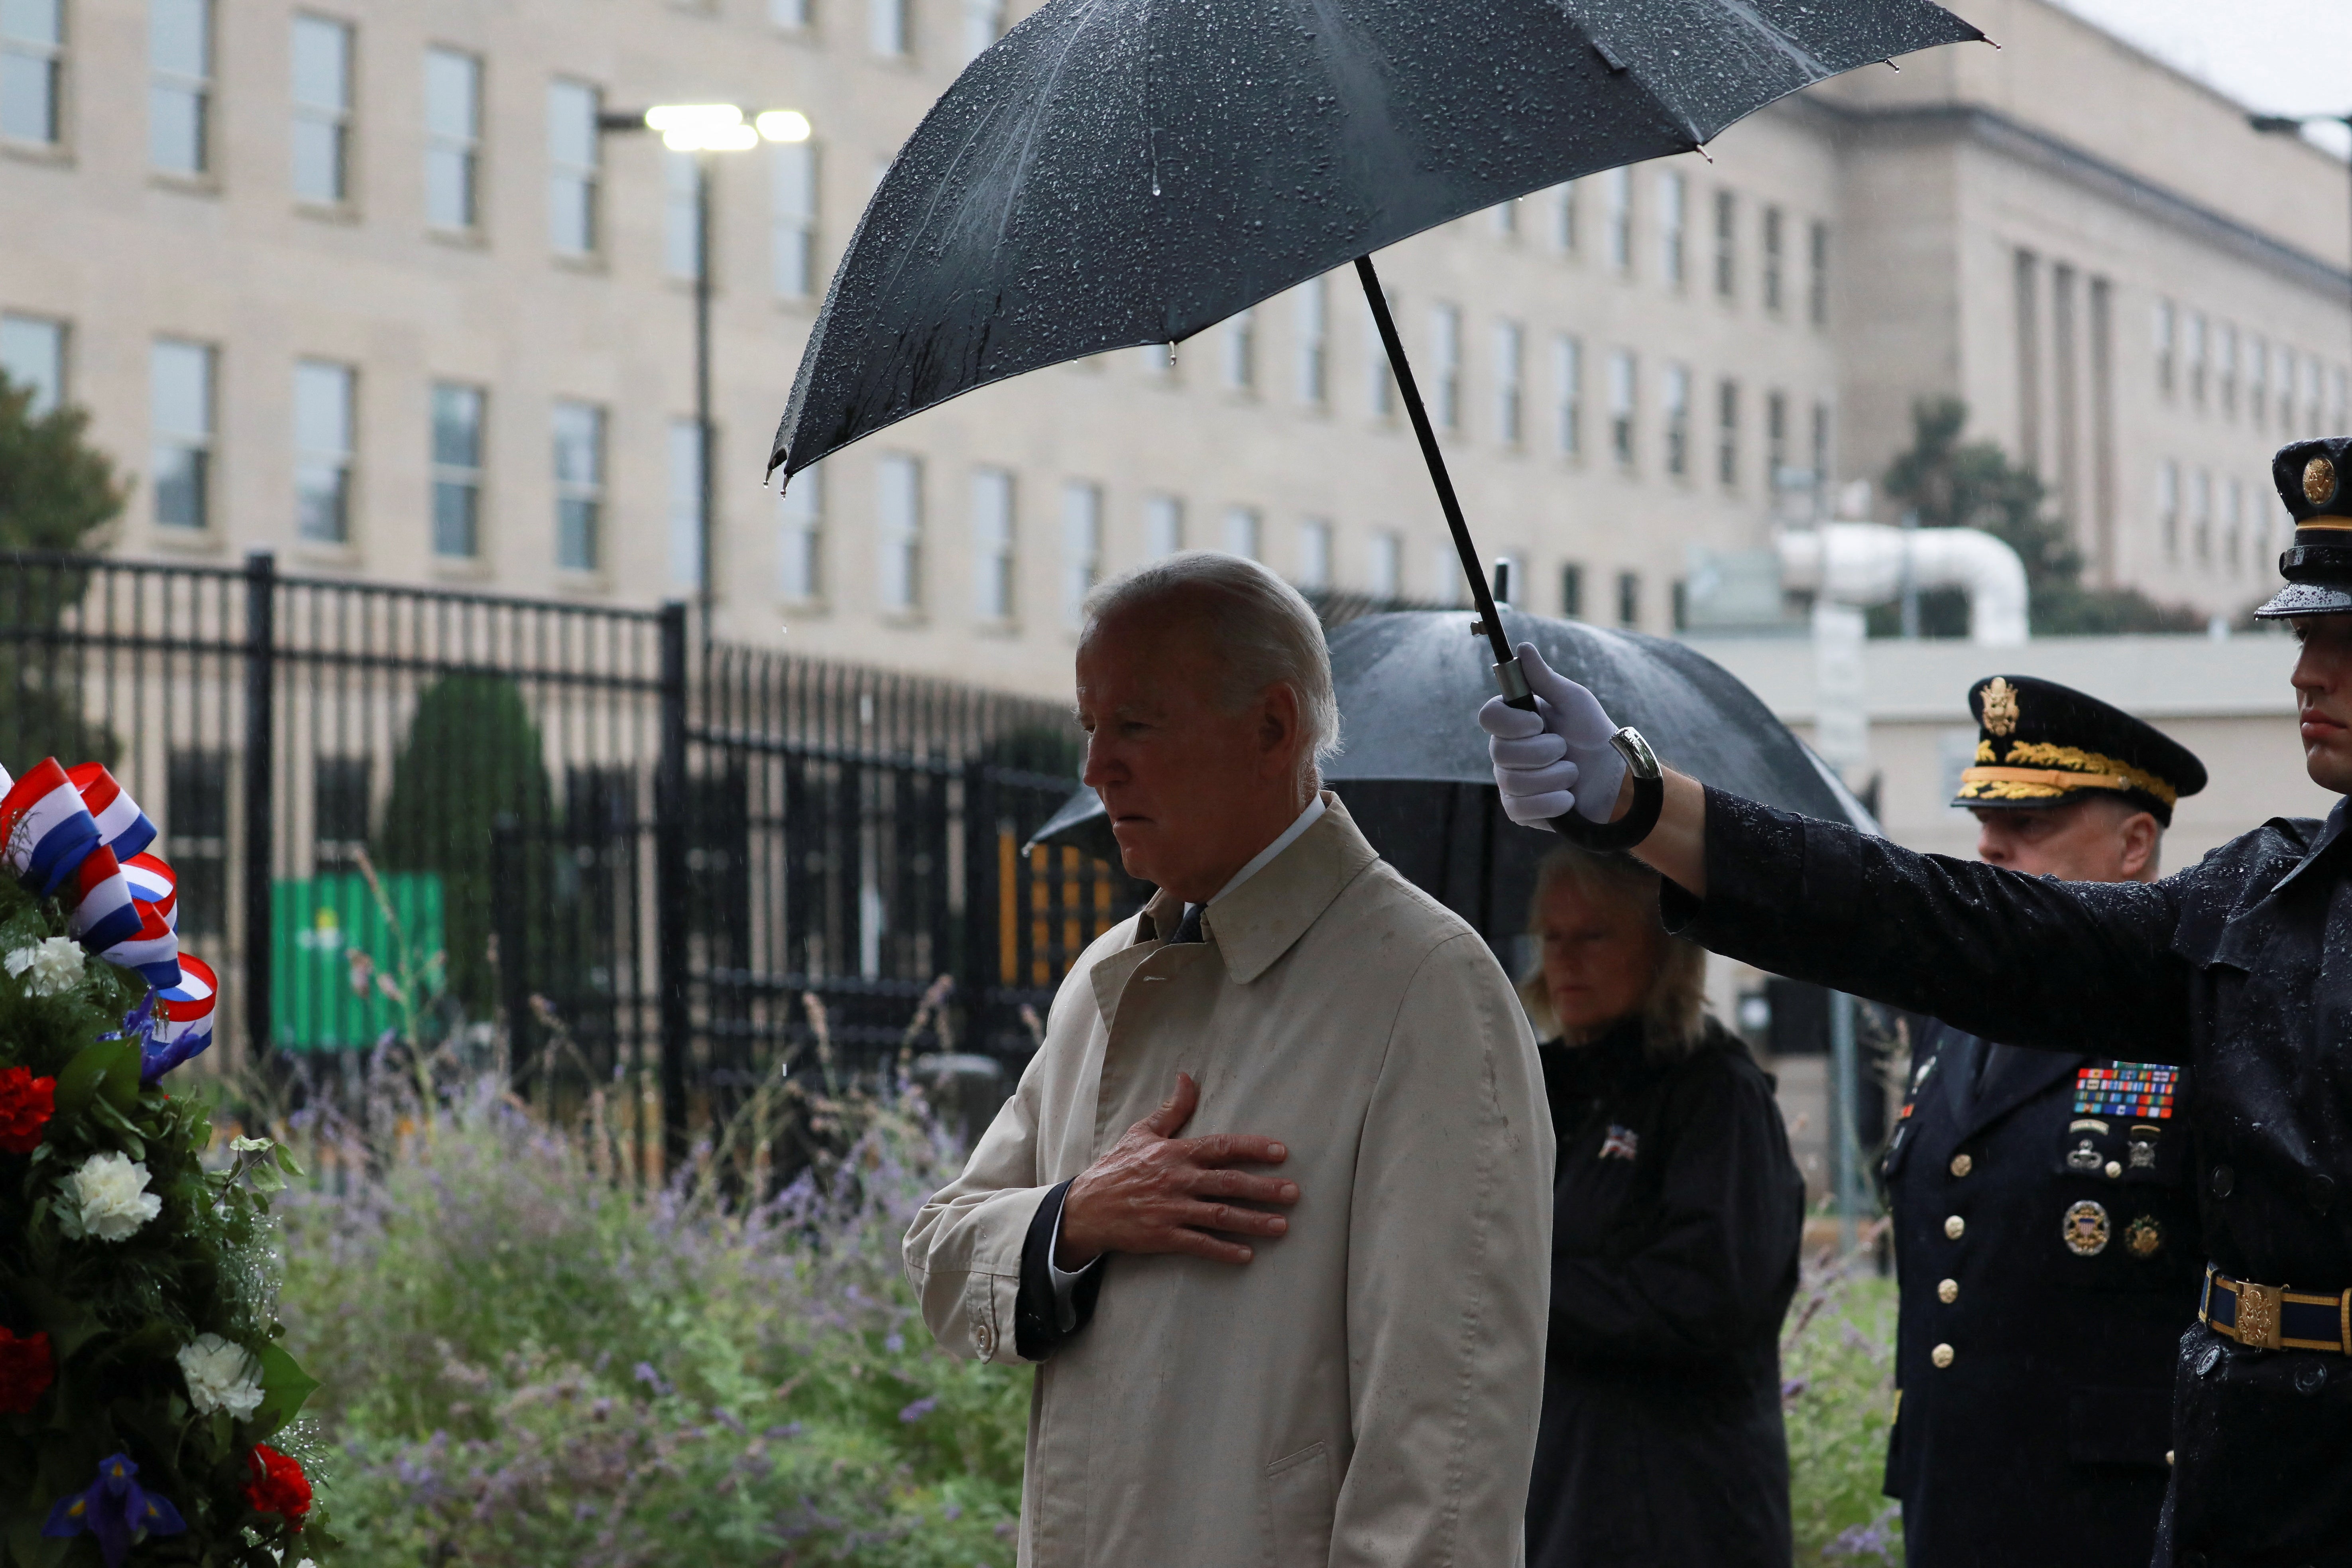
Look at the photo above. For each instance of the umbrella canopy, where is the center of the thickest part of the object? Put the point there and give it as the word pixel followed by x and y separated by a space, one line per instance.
pixel 1114 173
pixel 1414 772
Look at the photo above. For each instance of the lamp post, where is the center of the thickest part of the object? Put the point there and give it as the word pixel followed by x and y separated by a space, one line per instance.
pixel 2292 125
pixel 706 129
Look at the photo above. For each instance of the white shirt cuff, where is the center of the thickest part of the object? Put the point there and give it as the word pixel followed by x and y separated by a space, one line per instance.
pixel 1066 1315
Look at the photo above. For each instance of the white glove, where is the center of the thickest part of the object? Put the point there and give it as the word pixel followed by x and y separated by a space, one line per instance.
pixel 1557 758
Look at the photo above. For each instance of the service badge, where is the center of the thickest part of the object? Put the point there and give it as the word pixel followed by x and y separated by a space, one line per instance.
pixel 2144 1237
pixel 2000 707
pixel 2086 1228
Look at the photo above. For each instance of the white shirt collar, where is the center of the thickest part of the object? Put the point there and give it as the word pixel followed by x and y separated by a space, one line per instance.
pixel 1289 836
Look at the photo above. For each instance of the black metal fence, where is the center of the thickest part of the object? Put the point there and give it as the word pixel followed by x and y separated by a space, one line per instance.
pixel 563 830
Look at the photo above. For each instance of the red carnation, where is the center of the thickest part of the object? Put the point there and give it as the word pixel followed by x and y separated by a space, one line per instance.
pixel 26 1370
pixel 278 1485
pixel 26 1104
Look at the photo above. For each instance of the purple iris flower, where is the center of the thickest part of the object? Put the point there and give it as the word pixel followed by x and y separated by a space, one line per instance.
pixel 116 1508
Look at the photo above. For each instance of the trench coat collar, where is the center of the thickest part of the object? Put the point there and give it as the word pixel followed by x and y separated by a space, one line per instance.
pixel 2328 835
pixel 1258 921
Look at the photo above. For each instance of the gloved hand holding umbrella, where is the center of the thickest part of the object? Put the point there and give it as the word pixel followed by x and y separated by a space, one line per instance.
pixel 1559 758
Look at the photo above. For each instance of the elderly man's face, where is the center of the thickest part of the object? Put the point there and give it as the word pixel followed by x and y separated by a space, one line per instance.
pixel 2323 689
pixel 1192 790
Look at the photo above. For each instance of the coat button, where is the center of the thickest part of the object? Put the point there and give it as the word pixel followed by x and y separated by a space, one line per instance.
pixel 1962 1164
pixel 1955 1228
pixel 1948 1291
pixel 2320 1194
pixel 2222 1182
pixel 2114 1169
pixel 2167 1458
pixel 1941 1355
pixel 984 1339
pixel 2310 1378
pixel 2209 1361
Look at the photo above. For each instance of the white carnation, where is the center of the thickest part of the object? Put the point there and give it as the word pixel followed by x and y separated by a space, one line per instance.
pixel 222 1375
pixel 107 1198
pixel 48 966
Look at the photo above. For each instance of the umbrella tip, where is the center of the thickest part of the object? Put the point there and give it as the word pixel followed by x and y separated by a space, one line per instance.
pixel 1988 39
pixel 1892 66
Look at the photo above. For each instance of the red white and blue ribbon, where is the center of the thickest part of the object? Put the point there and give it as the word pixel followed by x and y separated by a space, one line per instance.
pixel 76 835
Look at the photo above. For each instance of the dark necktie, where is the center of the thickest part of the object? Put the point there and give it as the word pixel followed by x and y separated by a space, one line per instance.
pixel 1189 928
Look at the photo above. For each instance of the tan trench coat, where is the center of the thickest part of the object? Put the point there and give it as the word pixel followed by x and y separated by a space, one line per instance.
pixel 1366 1390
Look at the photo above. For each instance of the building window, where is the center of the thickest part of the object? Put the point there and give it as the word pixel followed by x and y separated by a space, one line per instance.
pixel 1379 376
pixel 195 815
pixel 682 214
pixel 1776 440
pixel 1821 475
pixel 1315 553
pixel 792 172
pixel 1571 591
pixel 322 110
pixel 1673 197
pixel 1242 532
pixel 2204 534
pixel 180 85
pixel 685 508
pixel 898 516
pixel 1445 583
pixel 1082 548
pixel 2311 389
pixel 2164 330
pixel 1727 433
pixel 792 15
pixel 1817 273
pixel 1445 357
pixel 574 167
pixel 1617 195
pixel 1384 566
pixel 1568 395
pixel 1163 526
pixel 2225 368
pixel 1510 381
pixel 2234 537
pixel 456 470
pixel 800 538
pixel 1727 245
pixel 453 139
pixel 2167 506
pixel 181 414
pixel 1312 323
pixel 992 565
pixel 1628 599
pixel 579 430
pixel 1239 345
pixel 984 24
pixel 1622 389
pixel 32 68
pixel 323 426
pixel 887 28
pixel 1677 408
pixel 33 358
pixel 2196 351
pixel 1564 234
pixel 2287 366
pixel 1159 361
pixel 2258 380
pixel 1774 247
pixel 1505 215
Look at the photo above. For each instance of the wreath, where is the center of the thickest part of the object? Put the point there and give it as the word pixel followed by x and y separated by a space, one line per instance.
pixel 141 1373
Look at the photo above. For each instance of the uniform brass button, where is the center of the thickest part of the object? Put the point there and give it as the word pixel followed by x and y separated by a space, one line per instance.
pixel 1941 1355
pixel 1948 1291
pixel 1962 1164
pixel 1955 1228
pixel 2114 1169
pixel 2222 1182
pixel 2168 1456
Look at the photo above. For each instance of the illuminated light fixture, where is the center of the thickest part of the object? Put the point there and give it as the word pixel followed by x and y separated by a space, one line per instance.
pixel 670 117
pixel 784 125
pixel 711 138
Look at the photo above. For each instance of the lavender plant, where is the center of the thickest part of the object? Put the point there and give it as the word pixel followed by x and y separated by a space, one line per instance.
pixel 1837 1369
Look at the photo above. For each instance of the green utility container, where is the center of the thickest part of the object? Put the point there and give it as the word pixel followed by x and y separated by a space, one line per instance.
pixel 317 926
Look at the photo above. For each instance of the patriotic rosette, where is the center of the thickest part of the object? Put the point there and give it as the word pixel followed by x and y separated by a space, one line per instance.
pixel 76 835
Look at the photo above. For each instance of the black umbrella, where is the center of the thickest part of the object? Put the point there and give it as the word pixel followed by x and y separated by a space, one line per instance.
pixel 1414 774
pixel 1115 173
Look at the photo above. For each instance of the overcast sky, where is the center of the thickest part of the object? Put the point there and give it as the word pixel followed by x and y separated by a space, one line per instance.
pixel 2284 57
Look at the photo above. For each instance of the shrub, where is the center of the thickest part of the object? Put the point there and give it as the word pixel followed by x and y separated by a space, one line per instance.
pixel 1837 1370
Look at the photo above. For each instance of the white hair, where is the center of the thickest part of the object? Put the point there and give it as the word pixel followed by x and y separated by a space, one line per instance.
pixel 1267 634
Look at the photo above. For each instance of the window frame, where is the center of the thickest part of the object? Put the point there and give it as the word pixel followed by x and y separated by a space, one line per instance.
pixel 451 478
pixel 799 539
pixel 198 88
pixel 337 121
pixel 898 539
pixel 50 385
pixel 994 526
pixel 570 176
pixel 311 458
pixel 49 55
pixel 1083 509
pixel 580 498
pixel 202 446
pixel 463 149
pixel 795 176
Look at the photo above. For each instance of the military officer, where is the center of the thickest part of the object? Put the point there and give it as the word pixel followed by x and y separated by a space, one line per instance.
pixel 2045 1229
pixel 2238 968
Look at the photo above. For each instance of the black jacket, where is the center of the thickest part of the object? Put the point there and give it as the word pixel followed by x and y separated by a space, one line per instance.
pixel 2058 1308
pixel 1675 1223
pixel 2239 967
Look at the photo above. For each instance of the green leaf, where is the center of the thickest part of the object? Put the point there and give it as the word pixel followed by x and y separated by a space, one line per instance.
pixel 284 1386
pixel 110 1067
pixel 286 1161
pixel 102 1111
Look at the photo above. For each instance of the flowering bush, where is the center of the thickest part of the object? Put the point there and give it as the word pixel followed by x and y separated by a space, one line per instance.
pixel 1837 1369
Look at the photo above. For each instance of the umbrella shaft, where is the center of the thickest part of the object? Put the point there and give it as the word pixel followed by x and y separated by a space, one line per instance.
pixel 1410 391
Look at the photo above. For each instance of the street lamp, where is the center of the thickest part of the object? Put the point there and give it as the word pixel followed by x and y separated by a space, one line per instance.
pixel 2292 125
pixel 704 129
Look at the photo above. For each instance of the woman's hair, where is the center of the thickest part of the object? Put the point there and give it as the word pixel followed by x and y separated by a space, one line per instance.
pixel 1673 1010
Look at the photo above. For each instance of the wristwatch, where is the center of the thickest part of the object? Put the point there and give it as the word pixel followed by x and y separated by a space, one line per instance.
pixel 1649 799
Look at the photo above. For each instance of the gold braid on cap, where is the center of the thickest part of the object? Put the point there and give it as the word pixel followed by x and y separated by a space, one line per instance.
pixel 2061 769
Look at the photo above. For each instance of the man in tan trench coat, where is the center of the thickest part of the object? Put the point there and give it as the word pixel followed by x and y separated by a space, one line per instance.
pixel 1312 1331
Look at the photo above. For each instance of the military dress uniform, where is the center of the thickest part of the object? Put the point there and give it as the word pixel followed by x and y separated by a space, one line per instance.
pixel 2046 1242
pixel 2239 969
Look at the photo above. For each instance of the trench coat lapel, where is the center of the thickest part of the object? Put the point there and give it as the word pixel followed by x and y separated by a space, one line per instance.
pixel 1257 923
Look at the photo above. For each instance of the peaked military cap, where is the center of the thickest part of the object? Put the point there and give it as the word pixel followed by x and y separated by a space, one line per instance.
pixel 2315 479
pixel 2039 743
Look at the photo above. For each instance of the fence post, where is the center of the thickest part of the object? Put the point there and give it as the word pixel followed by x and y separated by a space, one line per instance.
pixel 509 865
pixel 260 779
pixel 672 896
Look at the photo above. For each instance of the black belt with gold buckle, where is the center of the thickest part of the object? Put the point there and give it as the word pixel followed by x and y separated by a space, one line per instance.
pixel 2273 1317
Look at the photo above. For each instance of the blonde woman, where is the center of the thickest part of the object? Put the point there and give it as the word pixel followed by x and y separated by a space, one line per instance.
pixel 1675 1221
